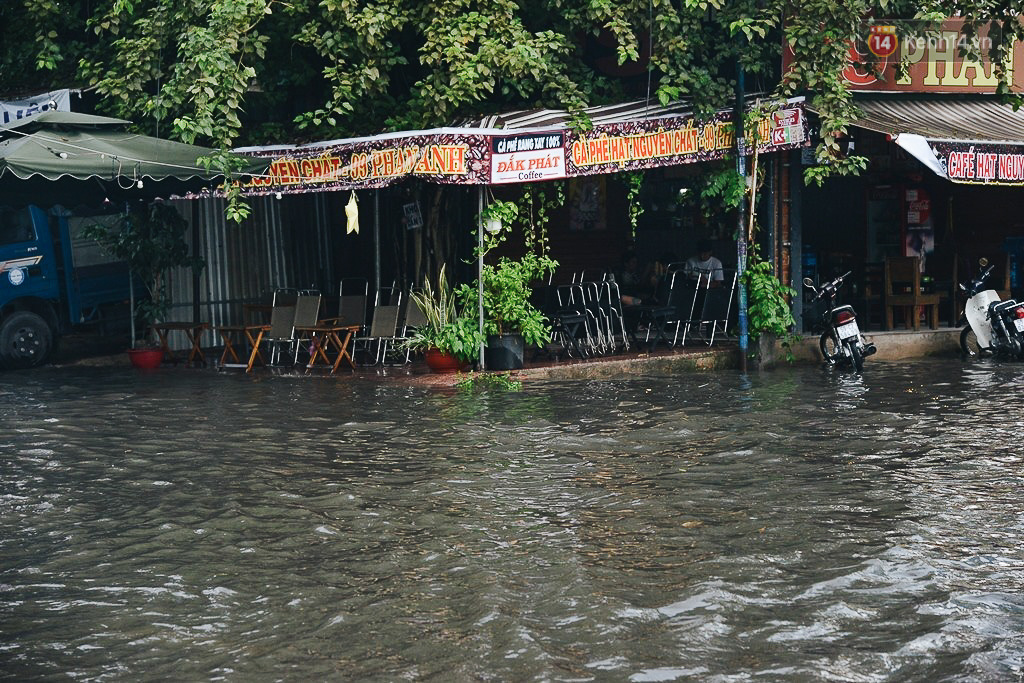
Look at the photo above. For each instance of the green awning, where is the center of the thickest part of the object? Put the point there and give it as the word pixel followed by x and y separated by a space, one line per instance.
pixel 57 144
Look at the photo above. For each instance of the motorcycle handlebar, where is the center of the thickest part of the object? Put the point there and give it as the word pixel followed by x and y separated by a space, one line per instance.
pixel 831 288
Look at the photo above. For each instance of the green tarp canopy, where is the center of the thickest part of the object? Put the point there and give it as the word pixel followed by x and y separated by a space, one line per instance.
pixel 57 144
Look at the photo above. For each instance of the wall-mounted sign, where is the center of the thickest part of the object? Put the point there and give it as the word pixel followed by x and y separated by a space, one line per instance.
pixel 939 59
pixel 449 156
pixel 413 217
pixel 527 158
pixel 979 163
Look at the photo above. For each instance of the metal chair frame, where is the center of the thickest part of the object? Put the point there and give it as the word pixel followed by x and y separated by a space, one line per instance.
pixel 611 302
pixel 383 330
pixel 307 314
pixel 282 322
pixel 718 324
pixel 571 299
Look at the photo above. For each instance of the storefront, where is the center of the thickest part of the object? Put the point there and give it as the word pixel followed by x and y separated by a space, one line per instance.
pixel 945 182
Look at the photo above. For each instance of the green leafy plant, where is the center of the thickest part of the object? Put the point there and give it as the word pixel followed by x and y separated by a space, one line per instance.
pixel 634 183
pixel 152 242
pixel 485 380
pixel 507 293
pixel 447 327
pixel 535 206
pixel 768 307
pixel 503 212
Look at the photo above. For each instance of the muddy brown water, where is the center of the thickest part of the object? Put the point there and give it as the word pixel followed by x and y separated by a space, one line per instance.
pixel 799 524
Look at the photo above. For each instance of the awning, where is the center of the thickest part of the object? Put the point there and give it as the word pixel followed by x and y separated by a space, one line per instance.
pixel 521 147
pixel 972 141
pixel 59 144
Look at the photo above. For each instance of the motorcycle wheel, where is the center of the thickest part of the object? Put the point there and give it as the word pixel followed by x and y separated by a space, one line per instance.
pixel 829 349
pixel 857 355
pixel 969 344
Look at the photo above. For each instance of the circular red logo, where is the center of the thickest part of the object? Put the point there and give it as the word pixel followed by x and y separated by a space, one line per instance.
pixel 883 41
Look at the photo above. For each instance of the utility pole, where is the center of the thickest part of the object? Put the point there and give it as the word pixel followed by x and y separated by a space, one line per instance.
pixel 741 232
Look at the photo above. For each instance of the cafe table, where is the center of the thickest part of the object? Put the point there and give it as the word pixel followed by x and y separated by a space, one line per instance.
pixel 324 337
pixel 230 334
pixel 194 332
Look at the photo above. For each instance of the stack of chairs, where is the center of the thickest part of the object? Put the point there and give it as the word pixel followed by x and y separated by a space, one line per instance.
pixel 611 305
pixel 712 308
pixel 573 311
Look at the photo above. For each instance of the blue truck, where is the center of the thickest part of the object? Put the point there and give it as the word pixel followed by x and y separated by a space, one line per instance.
pixel 52 281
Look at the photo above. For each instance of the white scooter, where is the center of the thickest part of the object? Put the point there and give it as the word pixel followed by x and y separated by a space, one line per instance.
pixel 993 326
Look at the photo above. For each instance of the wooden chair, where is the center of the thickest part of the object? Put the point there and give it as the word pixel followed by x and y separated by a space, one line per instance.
pixel 903 290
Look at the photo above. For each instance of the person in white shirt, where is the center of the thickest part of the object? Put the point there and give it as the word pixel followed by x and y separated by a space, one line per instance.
pixel 703 268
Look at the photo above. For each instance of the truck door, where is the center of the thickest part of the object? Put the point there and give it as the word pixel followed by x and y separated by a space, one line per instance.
pixel 27 265
pixel 97 284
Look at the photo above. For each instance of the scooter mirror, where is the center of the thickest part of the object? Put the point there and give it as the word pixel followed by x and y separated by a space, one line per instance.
pixel 808 282
pixel 983 262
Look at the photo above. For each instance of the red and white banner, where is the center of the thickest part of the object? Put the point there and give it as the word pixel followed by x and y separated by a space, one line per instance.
pixel 485 157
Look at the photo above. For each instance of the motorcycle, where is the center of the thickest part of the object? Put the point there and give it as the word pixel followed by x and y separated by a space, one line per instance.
pixel 993 326
pixel 841 342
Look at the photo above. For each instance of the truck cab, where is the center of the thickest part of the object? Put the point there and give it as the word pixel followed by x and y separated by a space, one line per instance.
pixel 51 281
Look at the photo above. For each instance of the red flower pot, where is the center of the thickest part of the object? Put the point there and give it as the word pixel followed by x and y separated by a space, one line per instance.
pixel 439 361
pixel 147 359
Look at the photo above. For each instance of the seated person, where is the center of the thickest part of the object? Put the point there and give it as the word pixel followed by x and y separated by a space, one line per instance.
pixel 636 285
pixel 703 268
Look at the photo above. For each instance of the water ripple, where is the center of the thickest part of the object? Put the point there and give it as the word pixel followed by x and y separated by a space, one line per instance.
pixel 798 525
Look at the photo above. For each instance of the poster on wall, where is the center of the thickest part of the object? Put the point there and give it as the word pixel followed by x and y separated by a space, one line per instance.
pixel 587 203
pixel 920 233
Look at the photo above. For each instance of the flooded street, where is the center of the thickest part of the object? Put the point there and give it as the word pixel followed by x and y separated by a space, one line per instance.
pixel 799 524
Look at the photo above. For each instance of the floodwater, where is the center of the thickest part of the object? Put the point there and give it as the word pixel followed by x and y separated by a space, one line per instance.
pixel 801 524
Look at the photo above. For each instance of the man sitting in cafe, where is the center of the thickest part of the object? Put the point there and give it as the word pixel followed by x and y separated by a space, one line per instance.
pixel 703 268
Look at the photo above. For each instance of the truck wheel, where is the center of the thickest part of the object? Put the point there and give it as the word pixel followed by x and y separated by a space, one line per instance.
pixel 25 340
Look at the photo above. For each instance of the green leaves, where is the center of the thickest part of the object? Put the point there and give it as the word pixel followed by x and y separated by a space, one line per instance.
pixel 768 307
pixel 448 326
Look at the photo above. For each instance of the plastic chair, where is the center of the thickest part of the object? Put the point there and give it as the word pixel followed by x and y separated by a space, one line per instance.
pixel 307 316
pixel 383 331
pixel 281 328
pixel 353 293
pixel 412 317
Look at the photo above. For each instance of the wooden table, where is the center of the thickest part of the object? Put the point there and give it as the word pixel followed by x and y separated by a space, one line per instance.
pixel 256 347
pixel 194 332
pixel 323 337
pixel 228 333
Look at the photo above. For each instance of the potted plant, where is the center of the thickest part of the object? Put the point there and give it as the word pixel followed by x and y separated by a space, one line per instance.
pixel 497 215
pixel 152 242
pixel 511 321
pixel 768 309
pixel 449 339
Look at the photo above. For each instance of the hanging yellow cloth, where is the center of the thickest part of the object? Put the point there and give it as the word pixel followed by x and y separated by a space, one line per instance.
pixel 352 213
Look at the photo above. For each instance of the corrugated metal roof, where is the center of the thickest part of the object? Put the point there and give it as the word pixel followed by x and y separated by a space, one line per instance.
pixel 945 119
pixel 599 115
